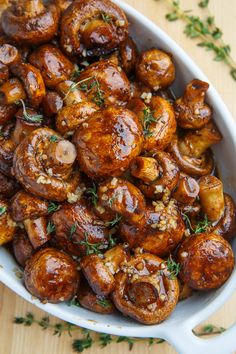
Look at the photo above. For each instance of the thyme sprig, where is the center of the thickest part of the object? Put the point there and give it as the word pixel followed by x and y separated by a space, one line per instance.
pixel 201 226
pixel 92 248
pixel 92 194
pixel 115 221
pixel 52 207
pixel 51 227
pixel 205 30
pixel 148 119
pixel 104 303
pixel 3 209
pixel 33 118
pixel 173 268
pixel 89 338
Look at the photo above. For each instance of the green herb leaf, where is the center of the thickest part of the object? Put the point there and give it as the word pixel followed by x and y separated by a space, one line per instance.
pixel 103 302
pixel 79 345
pixel 92 193
pixel 105 339
pixel 3 209
pixel 148 119
pixel 51 227
pixel 173 267
pixel 115 221
pixel 202 225
pixel 92 248
pixel 203 3
pixel 53 138
pixel 36 118
pixel 106 17
pixel 73 228
pixel 52 207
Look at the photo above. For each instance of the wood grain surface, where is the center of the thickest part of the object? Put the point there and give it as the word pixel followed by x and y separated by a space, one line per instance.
pixel 15 339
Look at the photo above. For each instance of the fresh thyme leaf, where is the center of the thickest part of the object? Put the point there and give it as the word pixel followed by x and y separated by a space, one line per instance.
pixel 98 93
pixel 28 320
pixel 76 74
pixel 112 241
pixel 44 323
pixel 34 118
pixel 53 138
pixel 75 85
pixel 53 207
pixel 187 221
pixel 73 228
pixel 114 222
pixel 3 209
pixel 79 345
pixel 148 119
pixel 202 225
pixel 92 248
pixel 106 17
pixel 104 339
pixel 203 3
pixel 103 302
pixel 173 267
pixel 128 340
pixel 92 192
pixel 51 227
pixel 74 302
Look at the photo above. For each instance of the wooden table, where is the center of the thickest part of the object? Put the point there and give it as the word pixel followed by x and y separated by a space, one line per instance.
pixel 16 339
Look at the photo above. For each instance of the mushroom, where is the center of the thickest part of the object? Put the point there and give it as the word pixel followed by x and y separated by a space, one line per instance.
pixel 37 231
pixel 53 65
pixel 155 69
pixel 144 289
pixel 157 175
pixel 30 21
pixel 11 92
pixel 70 93
pixel 128 54
pixel 51 276
pixel 99 272
pixel 22 248
pixel 43 165
pixel 108 142
pixel 191 110
pixel 7 149
pixel 206 260
pixel 7 225
pixel 8 186
pixel 52 103
pixel 92 28
pixel 186 190
pixel 192 153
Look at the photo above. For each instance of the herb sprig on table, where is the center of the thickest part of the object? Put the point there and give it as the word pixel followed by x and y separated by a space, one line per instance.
pixel 89 338
pixel 210 36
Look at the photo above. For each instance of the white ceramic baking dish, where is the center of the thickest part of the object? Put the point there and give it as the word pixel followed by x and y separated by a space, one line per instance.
pixel 177 329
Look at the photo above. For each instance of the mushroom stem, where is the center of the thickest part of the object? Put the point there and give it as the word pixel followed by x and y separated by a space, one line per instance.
pixel 70 92
pixel 33 7
pixel 195 92
pixel 145 168
pixel 11 92
pixel 37 231
pixel 142 293
pixel 187 189
pixel 197 142
pixel 212 197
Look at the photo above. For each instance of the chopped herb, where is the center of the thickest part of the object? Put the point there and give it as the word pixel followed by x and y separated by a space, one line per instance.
pixel 173 267
pixel 76 74
pixel 51 227
pixel 203 3
pixel 202 226
pixel 53 138
pixel 92 193
pixel 92 248
pixel 103 302
pixel 3 209
pixel 89 338
pixel 148 119
pixel 115 221
pixel 73 228
pixel 187 221
pixel 53 207
pixel 98 93
pixel 34 118
pixel 112 241
pixel 74 302
pixel 106 17
pixel 75 85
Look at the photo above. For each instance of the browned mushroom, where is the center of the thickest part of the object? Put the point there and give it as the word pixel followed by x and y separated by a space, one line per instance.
pixel 7 225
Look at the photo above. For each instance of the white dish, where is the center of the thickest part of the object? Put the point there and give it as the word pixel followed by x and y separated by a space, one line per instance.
pixel 177 329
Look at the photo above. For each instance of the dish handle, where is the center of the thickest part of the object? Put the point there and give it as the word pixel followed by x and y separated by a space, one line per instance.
pixel 185 341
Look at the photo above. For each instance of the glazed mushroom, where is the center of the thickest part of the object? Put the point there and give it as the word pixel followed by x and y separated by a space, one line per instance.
pixel 9 54
pixel 226 226
pixel 99 272
pixel 211 197
pixel 155 69
pixel 158 119
pixel 27 206
pixel 92 28
pixel 43 164
pixel 162 230
pixel 78 230
pixel 51 276
pixel 4 73
pixel 7 149
pixel 27 120
pixel 107 144
pixel 69 118
pixel 93 302
pixel 207 260
pixel 7 225
pixel 32 80
pixel 192 153
pixel 22 248
pixel 52 103
pixel 37 231
pixel 105 84
pixel 8 186
pixel 191 110
pixel 187 189
pixel 144 290
pixel 30 21
pixel 128 54
pixel 120 197
pixel 11 92
pixel 157 175
pixel 70 93
pixel 7 113
pixel 63 4
pixel 53 65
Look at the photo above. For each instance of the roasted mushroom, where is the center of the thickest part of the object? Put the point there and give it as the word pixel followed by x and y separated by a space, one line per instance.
pixel 37 231
pixel 43 165
pixel 144 289
pixel 27 206
pixel 52 103
pixel 51 276
pixel 8 186
pixel 7 149
pixel 207 260
pixel 191 111
pixel 22 248
pixel 155 69
pixel 11 92
pixel 187 189
pixel 108 142
pixel 92 28
pixel 30 21
pixel 7 225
